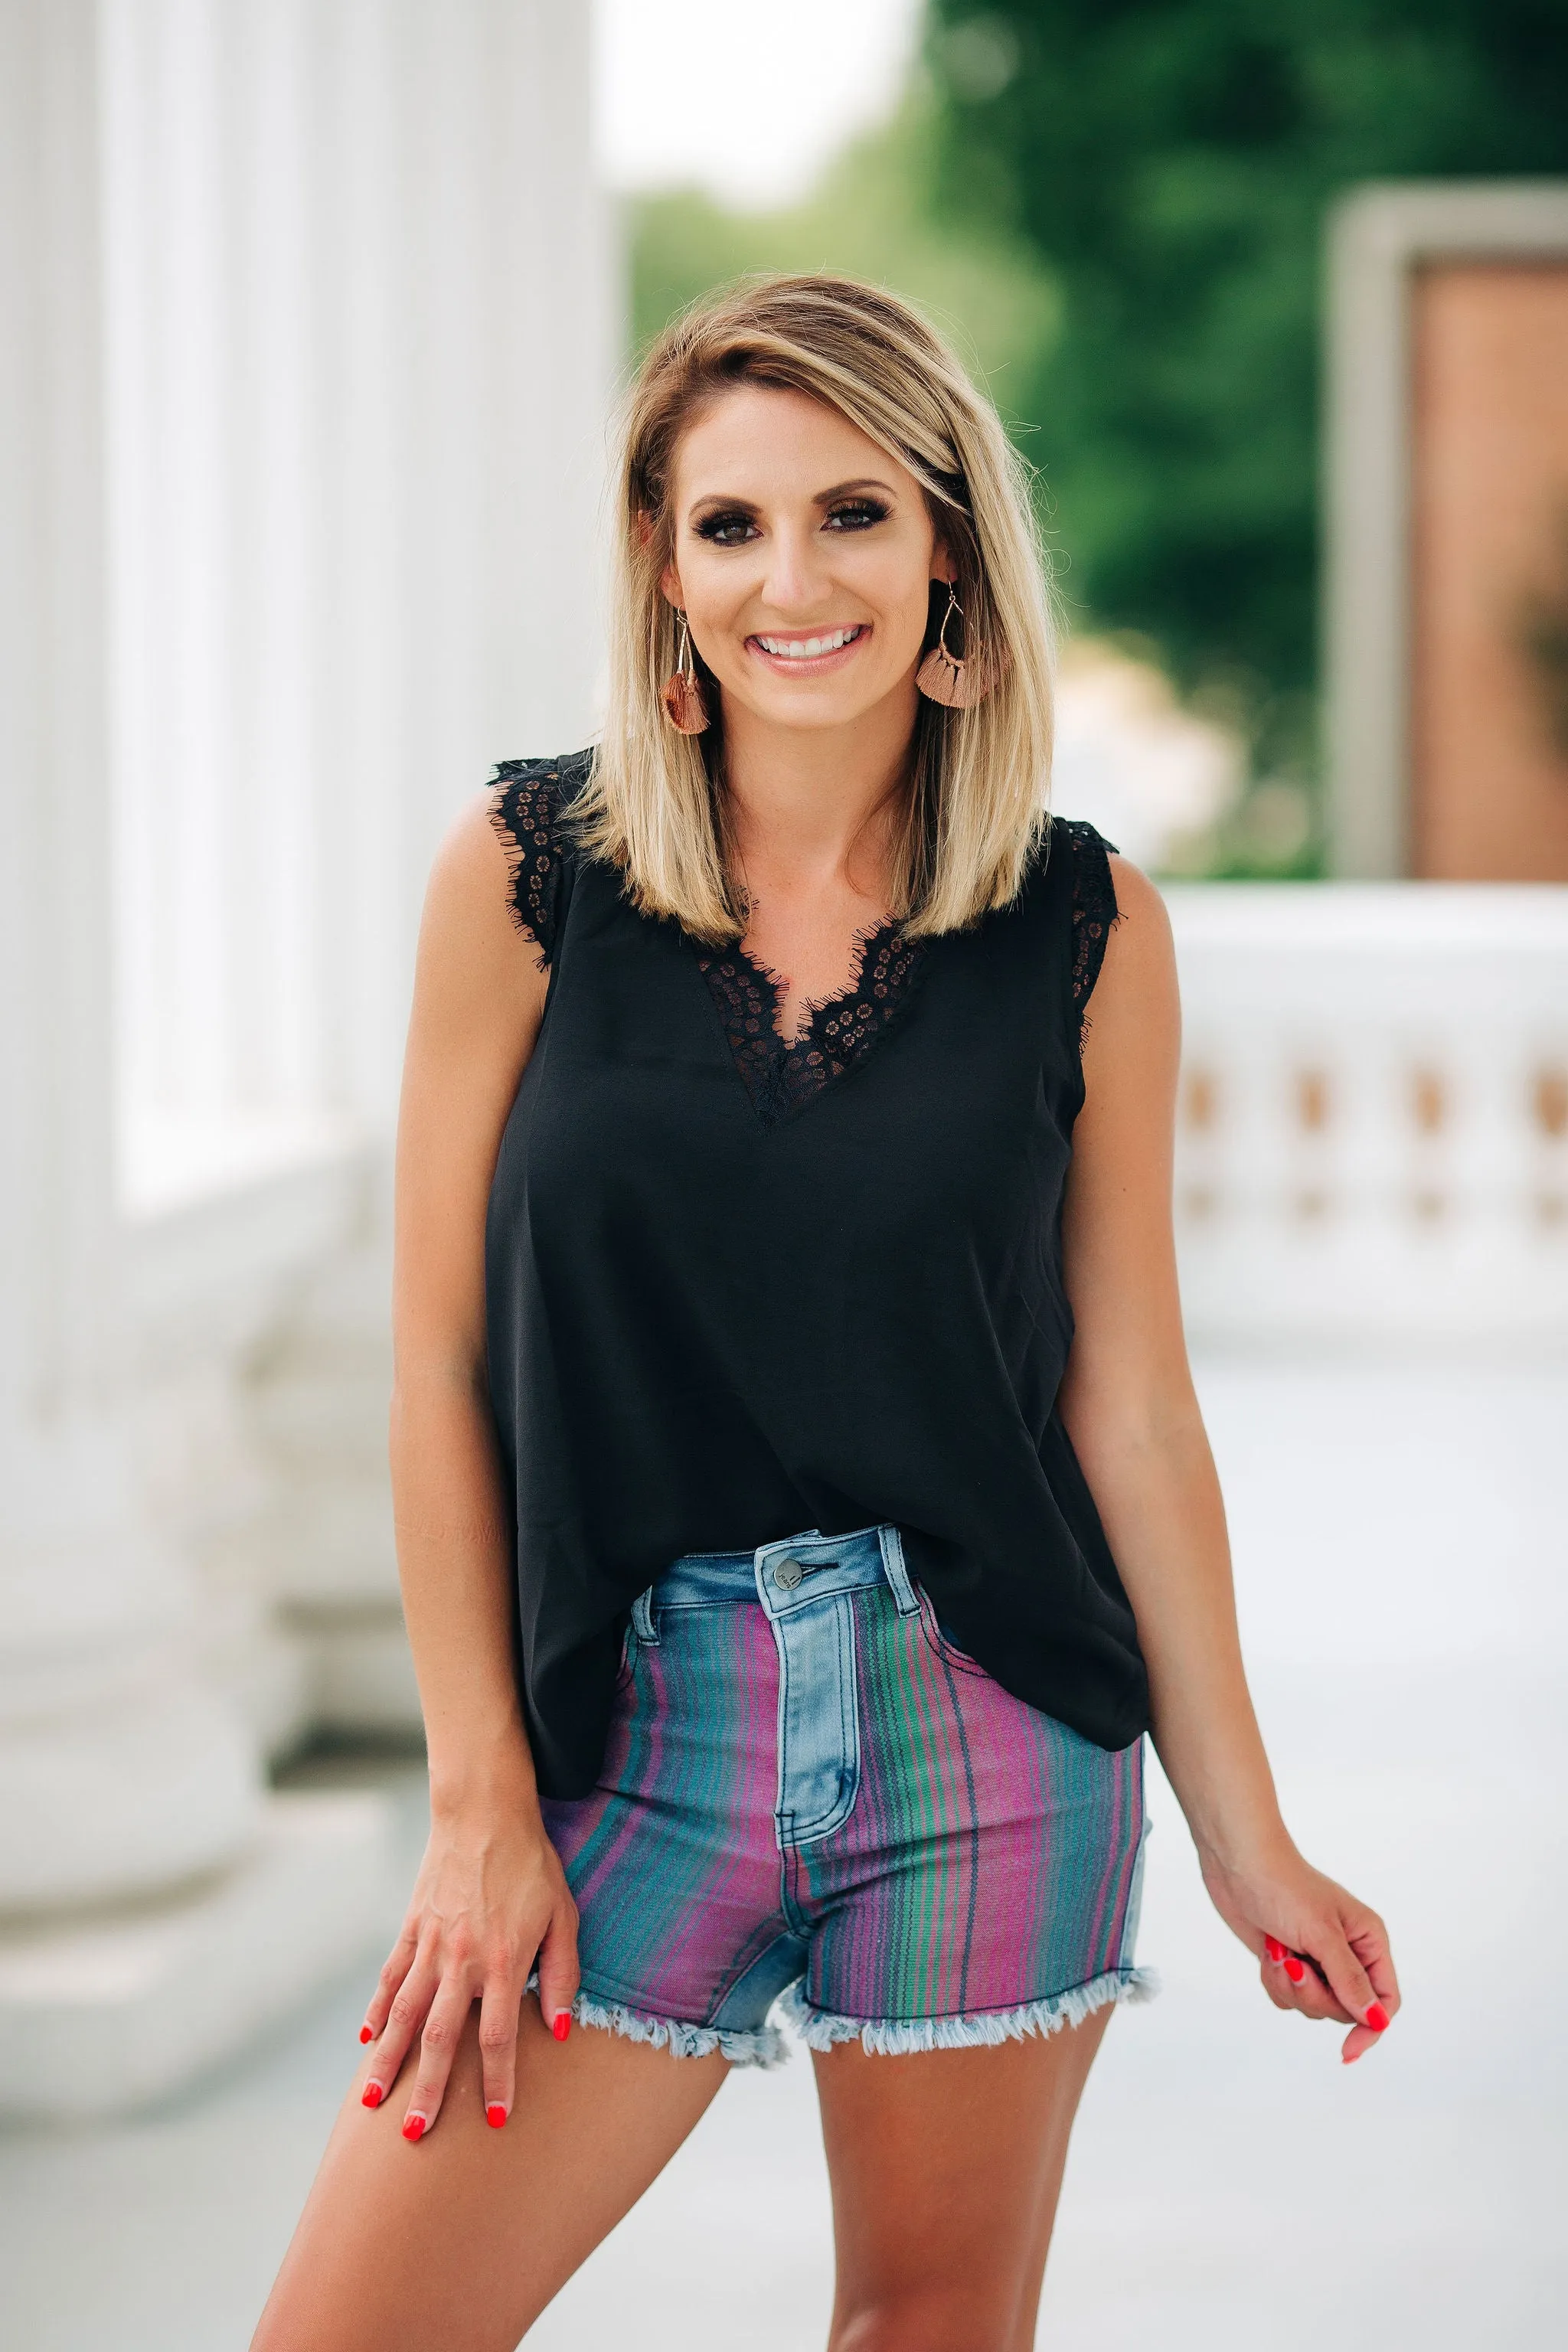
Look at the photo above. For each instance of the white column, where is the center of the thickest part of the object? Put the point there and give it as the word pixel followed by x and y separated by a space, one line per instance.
pixel 363 324
pixel 123 1778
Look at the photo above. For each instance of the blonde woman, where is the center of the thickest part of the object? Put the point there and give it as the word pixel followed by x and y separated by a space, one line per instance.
pixel 802 1506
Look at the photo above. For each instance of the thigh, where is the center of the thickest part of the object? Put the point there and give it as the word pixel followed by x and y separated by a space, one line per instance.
pixel 461 2239
pixel 946 2166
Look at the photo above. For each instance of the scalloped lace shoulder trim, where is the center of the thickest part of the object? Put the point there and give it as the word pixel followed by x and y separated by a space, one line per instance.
pixel 1094 910
pixel 526 800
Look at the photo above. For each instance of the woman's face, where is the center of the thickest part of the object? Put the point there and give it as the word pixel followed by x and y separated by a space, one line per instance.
pixel 803 557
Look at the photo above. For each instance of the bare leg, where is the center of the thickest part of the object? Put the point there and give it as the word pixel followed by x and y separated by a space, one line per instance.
pixel 946 2168
pixel 461 2240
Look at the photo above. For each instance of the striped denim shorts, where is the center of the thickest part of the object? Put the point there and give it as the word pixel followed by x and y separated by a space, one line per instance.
pixel 812 1799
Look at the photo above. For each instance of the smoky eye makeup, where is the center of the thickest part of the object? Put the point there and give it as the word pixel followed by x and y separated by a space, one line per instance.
pixel 726 526
pixel 733 526
pixel 856 514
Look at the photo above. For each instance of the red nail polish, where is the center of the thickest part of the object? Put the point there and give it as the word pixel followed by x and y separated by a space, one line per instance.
pixel 1377 2018
pixel 495 2115
pixel 562 2025
pixel 412 2127
pixel 1274 1947
pixel 364 2033
pixel 1294 1969
pixel 371 2095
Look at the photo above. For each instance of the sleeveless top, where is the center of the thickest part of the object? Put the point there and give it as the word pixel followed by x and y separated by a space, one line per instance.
pixel 738 1289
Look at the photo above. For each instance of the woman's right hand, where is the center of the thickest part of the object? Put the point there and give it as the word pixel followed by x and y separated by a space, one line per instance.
pixel 491 1898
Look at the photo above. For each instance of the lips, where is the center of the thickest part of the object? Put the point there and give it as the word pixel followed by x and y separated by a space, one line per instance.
pixel 819 647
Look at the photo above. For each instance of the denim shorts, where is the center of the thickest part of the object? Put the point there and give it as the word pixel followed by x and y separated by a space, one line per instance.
pixel 812 1799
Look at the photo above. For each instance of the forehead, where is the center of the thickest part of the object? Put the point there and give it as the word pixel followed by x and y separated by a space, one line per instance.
pixel 756 442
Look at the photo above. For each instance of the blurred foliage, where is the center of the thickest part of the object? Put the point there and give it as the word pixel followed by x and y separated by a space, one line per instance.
pixel 1171 162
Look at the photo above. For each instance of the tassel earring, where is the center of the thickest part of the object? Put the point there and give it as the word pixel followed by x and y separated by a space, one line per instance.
pixel 685 704
pixel 948 678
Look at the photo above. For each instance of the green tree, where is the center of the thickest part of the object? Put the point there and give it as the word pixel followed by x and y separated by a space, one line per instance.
pixel 1171 163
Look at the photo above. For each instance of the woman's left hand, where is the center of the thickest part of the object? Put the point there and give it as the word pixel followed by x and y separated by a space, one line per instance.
pixel 1320 1950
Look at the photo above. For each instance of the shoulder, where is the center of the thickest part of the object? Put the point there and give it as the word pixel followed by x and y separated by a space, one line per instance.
pixel 1134 984
pixel 470 974
pixel 528 804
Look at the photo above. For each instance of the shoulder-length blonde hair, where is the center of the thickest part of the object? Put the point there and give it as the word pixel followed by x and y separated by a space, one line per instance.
pixel 976 806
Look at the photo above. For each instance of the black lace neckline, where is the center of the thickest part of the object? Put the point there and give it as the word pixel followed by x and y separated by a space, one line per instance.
pixel 780 1073
pixel 781 1076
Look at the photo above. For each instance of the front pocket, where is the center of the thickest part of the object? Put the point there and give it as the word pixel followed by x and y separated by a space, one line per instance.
pixel 624 1671
pixel 944 1646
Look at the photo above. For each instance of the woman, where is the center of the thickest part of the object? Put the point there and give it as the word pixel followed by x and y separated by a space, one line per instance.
pixel 802 1506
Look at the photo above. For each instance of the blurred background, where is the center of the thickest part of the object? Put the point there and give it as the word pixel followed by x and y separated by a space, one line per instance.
pixel 311 317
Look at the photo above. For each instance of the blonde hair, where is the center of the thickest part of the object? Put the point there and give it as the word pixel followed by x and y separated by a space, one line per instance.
pixel 977 807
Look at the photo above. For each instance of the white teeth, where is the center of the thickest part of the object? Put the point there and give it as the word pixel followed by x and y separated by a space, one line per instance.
pixel 808 648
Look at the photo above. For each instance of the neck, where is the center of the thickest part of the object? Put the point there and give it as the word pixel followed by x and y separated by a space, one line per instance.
pixel 812 806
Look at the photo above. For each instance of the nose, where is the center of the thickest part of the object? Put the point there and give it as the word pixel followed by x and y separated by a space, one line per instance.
pixel 795 579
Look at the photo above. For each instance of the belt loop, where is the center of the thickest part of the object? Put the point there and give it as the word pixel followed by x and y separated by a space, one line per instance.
pixel 643 1624
pixel 897 1574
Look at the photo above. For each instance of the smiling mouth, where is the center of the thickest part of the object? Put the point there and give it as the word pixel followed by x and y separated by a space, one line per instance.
pixel 820 648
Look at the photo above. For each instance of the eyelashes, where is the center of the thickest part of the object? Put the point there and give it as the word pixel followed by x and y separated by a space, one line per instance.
pixel 856 514
pixel 731 527
pixel 726 528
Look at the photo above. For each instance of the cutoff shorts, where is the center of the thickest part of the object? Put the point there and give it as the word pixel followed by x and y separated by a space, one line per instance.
pixel 814 1806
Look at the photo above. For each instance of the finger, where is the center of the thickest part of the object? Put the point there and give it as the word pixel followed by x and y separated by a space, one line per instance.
pixel 438 2048
pixel 404 2019
pixel 399 1960
pixel 497 2042
pixel 1294 1981
pixel 558 1975
pixel 1311 1997
pixel 1368 1938
pixel 1351 1987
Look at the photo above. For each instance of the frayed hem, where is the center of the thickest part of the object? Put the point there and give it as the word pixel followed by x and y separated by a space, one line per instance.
pixel 766 2047
pixel 893 2037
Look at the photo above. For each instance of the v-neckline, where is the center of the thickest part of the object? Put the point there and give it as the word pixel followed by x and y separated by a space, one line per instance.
pixel 782 1076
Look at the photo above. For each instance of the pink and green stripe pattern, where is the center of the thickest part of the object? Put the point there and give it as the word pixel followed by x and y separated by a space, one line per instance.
pixel 808 1792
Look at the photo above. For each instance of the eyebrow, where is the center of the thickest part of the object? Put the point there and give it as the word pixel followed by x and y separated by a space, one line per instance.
pixel 715 501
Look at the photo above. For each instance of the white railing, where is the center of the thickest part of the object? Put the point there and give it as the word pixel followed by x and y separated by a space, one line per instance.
pixel 1374 1137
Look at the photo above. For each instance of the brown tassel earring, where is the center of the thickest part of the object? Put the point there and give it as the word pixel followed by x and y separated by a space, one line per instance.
pixel 685 704
pixel 950 678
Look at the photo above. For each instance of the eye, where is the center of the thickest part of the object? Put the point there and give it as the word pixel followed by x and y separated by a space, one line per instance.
pixel 856 514
pixel 727 528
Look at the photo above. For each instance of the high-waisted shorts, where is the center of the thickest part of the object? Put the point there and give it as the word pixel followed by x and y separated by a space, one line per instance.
pixel 811 1798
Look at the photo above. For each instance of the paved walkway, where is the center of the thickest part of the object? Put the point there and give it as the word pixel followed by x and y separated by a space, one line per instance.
pixel 1401 1538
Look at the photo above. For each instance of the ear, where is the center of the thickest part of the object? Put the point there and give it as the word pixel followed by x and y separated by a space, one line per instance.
pixel 670 587
pixel 944 564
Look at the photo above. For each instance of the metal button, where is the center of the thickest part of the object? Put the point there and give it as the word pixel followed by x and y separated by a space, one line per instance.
pixel 788 1573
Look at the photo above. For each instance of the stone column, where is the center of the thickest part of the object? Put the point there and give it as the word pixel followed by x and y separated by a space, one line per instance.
pixel 156 1906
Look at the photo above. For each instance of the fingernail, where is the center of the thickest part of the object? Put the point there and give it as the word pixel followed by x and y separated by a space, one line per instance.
pixel 1274 1947
pixel 1377 2018
pixel 371 2095
pixel 413 2126
pixel 562 2025
pixel 1294 1969
pixel 364 2033
pixel 495 2115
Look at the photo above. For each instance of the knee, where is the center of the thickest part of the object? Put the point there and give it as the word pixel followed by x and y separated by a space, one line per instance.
pixel 927 2319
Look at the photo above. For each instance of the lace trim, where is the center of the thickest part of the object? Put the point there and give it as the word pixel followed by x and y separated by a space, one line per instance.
pixel 525 810
pixel 1094 910
pixel 780 1073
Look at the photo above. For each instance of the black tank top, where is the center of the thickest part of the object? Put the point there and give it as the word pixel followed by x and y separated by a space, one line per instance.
pixel 737 1289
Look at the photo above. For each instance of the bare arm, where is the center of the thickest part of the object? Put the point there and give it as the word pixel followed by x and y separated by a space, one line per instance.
pixel 490 1894
pixel 1130 1411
